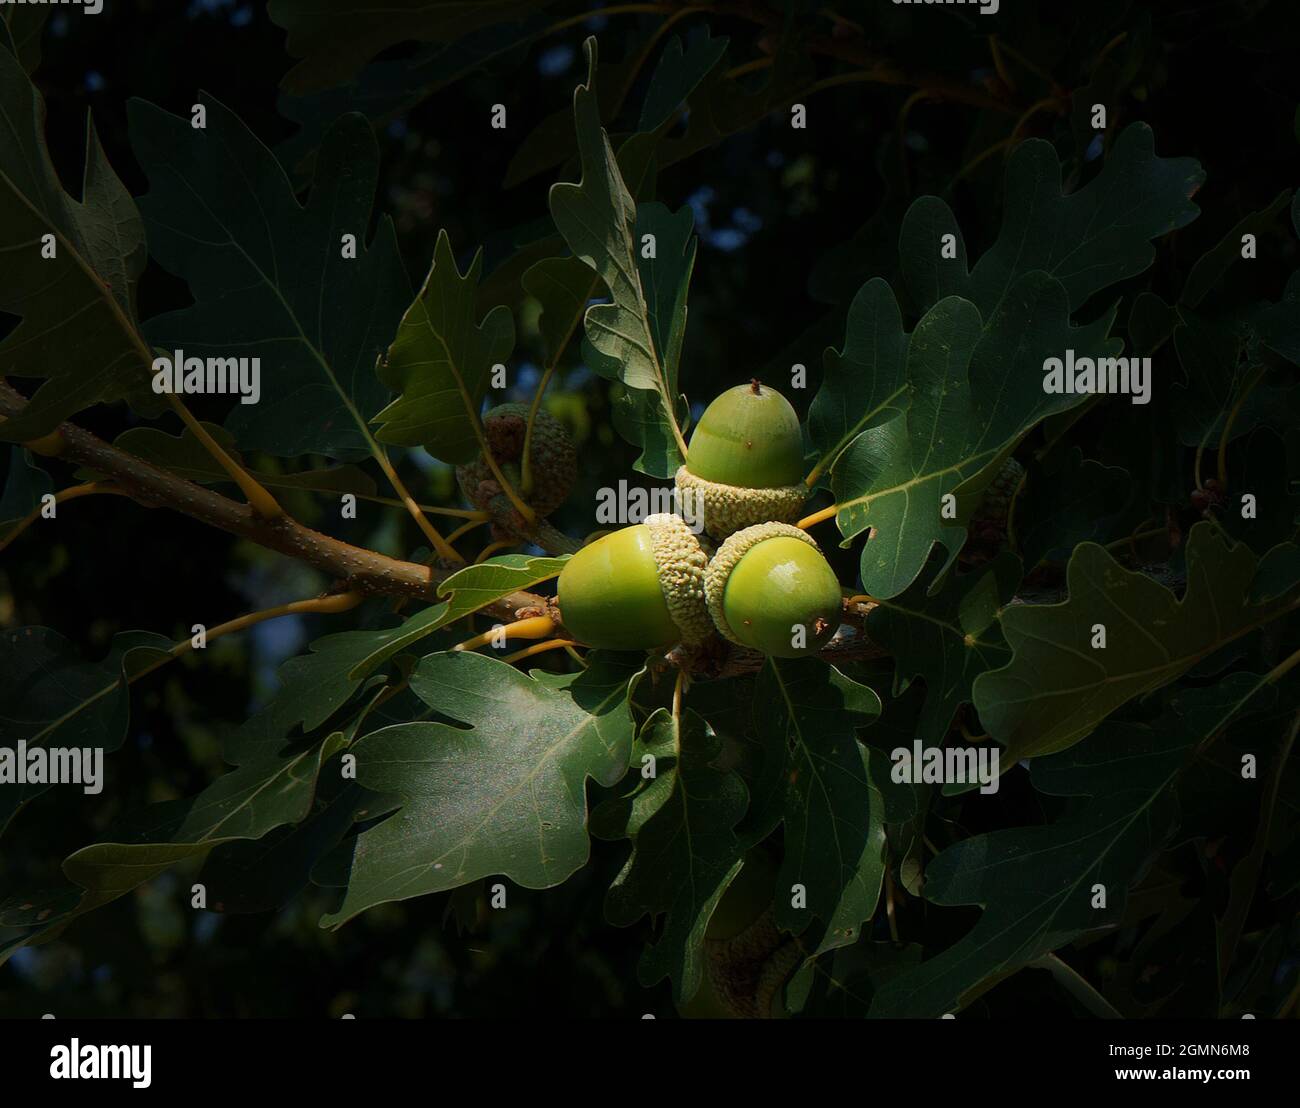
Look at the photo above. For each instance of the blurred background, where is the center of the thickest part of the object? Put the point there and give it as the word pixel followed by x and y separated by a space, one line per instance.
pixel 790 222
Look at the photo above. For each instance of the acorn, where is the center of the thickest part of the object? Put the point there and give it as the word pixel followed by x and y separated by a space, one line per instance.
pixel 995 505
pixel 747 958
pixel 770 589
pixel 744 463
pixel 638 588
pixel 554 459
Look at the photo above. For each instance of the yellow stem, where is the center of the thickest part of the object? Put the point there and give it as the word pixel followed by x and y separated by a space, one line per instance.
pixel 1227 426
pixel 526 461
pixel 1034 109
pixel 445 551
pixel 464 529
pixel 999 63
pixel 261 501
pixel 537 627
pixel 48 446
pixel 1137 536
pixel 818 517
pixel 983 155
pixel 524 510
pixel 616 9
pixel 336 602
pixel 1278 672
pixel 91 488
pixel 1028 64
pixel 539 648
pixel 679 689
pixel 861 598
pixel 431 509
pixel 492 548
pixel 1119 38
pixel 748 67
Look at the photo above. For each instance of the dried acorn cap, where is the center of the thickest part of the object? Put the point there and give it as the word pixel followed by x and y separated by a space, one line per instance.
pixel 747 958
pixel 769 582
pixel 744 464
pixel 554 459
pixel 638 588
pixel 996 503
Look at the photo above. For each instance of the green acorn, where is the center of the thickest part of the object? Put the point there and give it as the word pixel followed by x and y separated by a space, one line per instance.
pixel 769 588
pixel 639 588
pixel 744 464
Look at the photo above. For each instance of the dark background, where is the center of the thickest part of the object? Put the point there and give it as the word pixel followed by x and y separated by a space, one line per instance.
pixel 775 209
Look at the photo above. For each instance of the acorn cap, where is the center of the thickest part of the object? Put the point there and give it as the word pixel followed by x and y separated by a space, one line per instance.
pixel 637 588
pixel 682 566
pixel 554 458
pixel 754 605
pixel 744 464
pixel 730 508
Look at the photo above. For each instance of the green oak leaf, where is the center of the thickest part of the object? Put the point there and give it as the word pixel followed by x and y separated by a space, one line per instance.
pixel 22 28
pixel 638 414
pixel 721 105
pixel 1215 358
pixel 678 73
pixel 865 383
pixel 1036 883
pixel 502 795
pixel 1057 688
pixel 25 484
pixel 273 785
pixel 1089 240
pixel 685 851
pixel 831 805
pixel 260 875
pixel 1213 266
pixel 947 639
pixel 441 360
pixel 973 367
pixel 318 683
pixel 976 390
pixel 270 277
pixel 78 329
pixel 563 287
pixel 335 38
pixel 598 219
pixel 386 89
pixel 50 697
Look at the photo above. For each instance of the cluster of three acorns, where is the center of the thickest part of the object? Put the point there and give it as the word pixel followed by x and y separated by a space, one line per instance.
pixel 767 587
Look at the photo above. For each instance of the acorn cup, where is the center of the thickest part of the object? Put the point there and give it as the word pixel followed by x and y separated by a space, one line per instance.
pixel 747 958
pixel 638 588
pixel 744 464
pixel 770 589
pixel 554 465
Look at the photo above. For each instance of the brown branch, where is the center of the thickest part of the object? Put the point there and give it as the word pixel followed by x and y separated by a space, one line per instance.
pixel 356 568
